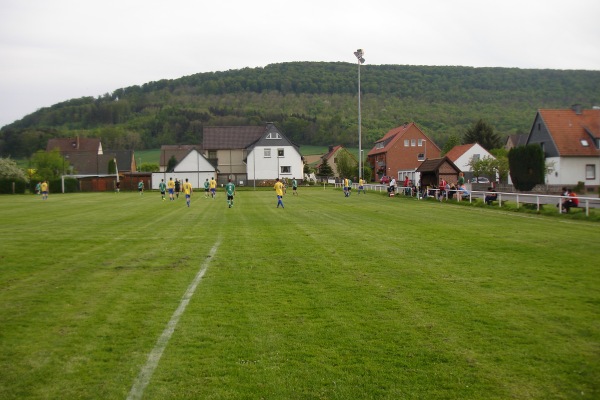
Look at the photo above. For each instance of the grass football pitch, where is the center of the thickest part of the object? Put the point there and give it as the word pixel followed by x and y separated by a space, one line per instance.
pixel 122 296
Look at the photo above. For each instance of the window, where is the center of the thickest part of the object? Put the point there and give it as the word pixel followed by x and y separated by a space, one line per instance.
pixel 406 142
pixel 420 142
pixel 379 145
pixel 584 143
pixel 590 171
pixel 286 169
pixel 280 153
pixel 421 157
pixel 273 135
pixel 413 142
pixel 212 154
pixel 476 157
pixel 267 153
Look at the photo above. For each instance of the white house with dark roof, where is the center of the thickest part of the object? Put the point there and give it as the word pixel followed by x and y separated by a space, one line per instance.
pixel 194 167
pixel 274 156
pixel 248 153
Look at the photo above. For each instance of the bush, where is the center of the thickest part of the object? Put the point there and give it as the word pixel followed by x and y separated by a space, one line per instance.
pixel 6 186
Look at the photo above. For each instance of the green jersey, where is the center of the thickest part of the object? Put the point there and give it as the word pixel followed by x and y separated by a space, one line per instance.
pixel 230 188
pixel 162 187
pixel 206 184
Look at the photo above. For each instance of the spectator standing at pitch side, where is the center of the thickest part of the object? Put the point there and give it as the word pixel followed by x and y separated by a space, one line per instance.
pixel 279 190
pixel 230 190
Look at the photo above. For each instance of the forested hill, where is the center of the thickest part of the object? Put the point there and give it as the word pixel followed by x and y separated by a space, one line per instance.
pixel 311 102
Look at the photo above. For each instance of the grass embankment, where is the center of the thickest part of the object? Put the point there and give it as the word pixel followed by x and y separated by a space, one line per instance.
pixel 363 297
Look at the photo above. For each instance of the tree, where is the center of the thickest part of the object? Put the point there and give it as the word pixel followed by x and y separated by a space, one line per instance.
pixel 171 164
pixel 112 166
pixel 527 166
pixel 452 141
pixel 149 167
pixel 325 169
pixel 483 133
pixel 49 165
pixel 346 166
pixel 10 170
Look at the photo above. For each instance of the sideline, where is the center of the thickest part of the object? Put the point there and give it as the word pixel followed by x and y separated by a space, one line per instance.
pixel 137 390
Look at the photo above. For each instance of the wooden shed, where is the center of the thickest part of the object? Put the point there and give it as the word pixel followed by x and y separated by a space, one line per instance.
pixel 433 170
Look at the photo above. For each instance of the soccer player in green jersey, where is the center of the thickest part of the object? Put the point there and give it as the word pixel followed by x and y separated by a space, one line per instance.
pixel 162 186
pixel 230 190
pixel 206 188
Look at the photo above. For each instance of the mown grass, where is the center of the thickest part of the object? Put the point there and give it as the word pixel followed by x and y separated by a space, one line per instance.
pixel 336 298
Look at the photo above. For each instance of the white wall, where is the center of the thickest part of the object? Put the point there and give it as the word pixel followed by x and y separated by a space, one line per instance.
pixel 260 167
pixel 570 170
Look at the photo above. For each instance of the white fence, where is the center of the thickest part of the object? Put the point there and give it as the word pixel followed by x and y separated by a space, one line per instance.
pixel 539 200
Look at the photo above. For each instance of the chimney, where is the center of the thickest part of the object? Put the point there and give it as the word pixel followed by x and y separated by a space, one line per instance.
pixel 578 108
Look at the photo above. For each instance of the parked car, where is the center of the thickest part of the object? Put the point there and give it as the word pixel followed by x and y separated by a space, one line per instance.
pixel 384 180
pixel 481 179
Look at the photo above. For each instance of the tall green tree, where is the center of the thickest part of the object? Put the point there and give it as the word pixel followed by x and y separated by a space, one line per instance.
pixel 452 141
pixel 527 166
pixel 325 169
pixel 483 133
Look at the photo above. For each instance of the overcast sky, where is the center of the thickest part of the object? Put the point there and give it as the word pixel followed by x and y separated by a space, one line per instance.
pixel 55 50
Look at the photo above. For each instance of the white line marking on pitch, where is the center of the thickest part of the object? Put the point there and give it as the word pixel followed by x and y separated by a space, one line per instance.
pixel 143 378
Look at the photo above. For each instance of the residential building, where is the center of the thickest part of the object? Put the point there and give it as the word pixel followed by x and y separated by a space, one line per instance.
pixel 175 152
pixel 193 166
pixel 462 156
pixel 400 152
pixel 332 157
pixel 570 139
pixel 272 156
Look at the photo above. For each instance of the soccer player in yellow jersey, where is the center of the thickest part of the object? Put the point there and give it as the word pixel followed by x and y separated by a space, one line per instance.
pixel 44 187
pixel 213 187
pixel 279 190
pixel 187 190
pixel 171 187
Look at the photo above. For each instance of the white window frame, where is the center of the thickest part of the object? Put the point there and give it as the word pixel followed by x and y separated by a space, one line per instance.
pixel 406 142
pixel 267 153
pixel 285 169
pixel 590 172
pixel 413 142
pixel 280 153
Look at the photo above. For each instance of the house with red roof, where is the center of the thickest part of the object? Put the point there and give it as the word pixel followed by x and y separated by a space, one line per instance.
pixel 332 158
pixel 400 152
pixel 462 156
pixel 570 139
pixel 85 156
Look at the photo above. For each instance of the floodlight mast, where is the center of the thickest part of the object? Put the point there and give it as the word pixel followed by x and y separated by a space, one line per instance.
pixel 359 56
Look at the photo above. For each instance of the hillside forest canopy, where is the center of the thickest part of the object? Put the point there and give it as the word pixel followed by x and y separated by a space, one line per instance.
pixel 313 103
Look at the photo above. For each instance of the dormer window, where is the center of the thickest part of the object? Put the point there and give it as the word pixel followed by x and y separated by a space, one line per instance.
pixel 273 135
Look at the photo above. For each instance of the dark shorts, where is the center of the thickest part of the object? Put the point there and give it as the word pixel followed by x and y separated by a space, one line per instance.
pixel 229 197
